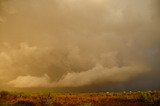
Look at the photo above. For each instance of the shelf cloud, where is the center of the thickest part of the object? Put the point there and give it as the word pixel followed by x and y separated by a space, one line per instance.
pixel 76 43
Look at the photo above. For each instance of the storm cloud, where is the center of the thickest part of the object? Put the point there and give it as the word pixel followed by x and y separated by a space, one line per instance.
pixel 76 43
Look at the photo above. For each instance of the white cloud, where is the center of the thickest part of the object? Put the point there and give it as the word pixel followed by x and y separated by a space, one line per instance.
pixel 100 74
pixel 30 81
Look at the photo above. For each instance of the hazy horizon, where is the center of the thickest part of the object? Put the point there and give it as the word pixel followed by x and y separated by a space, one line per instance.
pixel 91 44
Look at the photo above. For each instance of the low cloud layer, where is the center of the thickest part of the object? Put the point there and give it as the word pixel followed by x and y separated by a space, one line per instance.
pixel 75 43
pixel 98 74
pixel 30 81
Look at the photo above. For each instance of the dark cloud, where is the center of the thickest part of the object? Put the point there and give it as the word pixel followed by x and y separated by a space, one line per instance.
pixel 79 43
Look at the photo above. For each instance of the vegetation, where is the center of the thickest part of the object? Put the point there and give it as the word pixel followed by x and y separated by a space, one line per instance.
pixel 80 99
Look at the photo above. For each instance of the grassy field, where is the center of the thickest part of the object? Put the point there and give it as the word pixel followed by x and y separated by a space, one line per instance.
pixel 12 98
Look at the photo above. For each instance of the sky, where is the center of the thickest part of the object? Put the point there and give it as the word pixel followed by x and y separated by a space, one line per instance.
pixel 81 44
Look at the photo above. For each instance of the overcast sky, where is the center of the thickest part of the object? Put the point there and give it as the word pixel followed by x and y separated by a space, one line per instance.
pixel 113 44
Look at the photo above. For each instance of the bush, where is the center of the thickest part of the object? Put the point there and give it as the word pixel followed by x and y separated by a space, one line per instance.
pixel 24 103
pixel 147 97
pixel 4 93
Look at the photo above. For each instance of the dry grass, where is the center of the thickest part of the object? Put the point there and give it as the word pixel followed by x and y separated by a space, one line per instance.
pixel 80 99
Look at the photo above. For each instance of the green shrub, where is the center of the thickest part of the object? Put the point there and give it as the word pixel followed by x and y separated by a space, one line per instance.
pixel 4 93
pixel 147 97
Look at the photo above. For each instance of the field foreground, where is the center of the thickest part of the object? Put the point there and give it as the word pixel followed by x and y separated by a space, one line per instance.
pixel 149 98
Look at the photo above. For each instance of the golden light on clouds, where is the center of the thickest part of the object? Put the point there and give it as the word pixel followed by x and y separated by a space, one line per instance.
pixel 77 43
